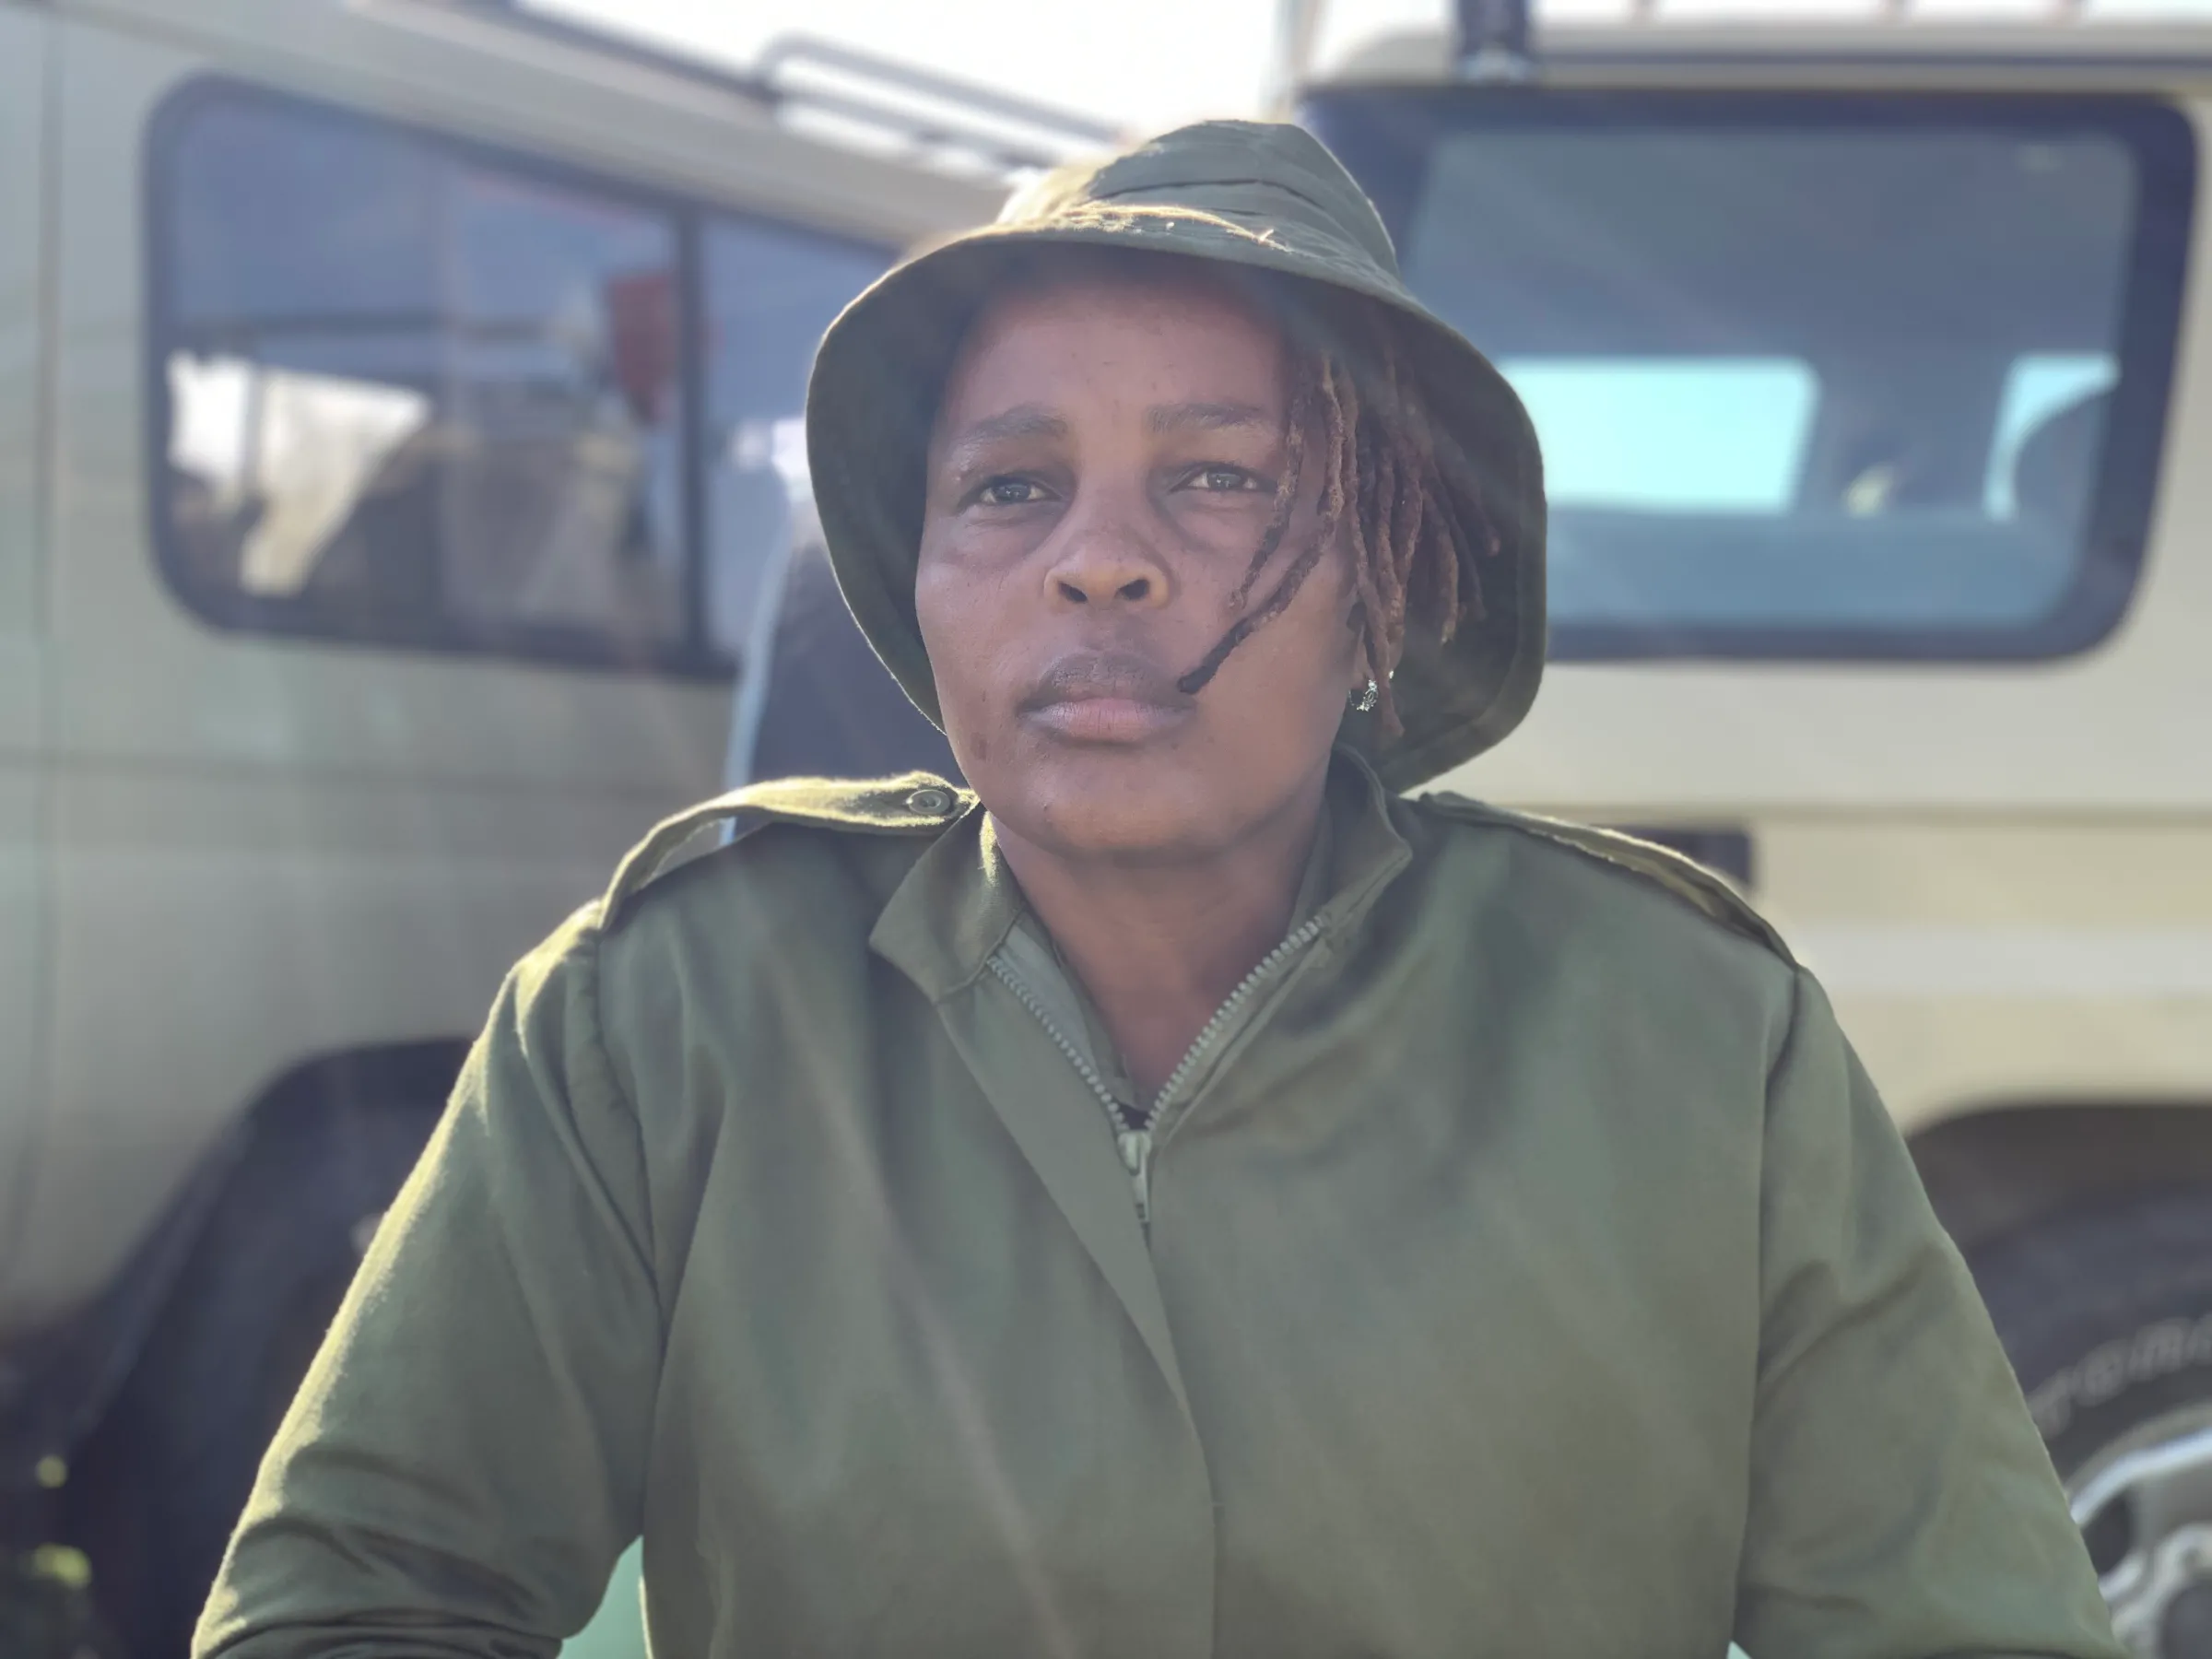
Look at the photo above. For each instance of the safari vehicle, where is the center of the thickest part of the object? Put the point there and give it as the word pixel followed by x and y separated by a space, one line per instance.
pixel 1872 366
pixel 398 416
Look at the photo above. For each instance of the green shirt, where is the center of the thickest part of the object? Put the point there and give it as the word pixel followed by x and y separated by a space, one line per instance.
pixel 1532 1270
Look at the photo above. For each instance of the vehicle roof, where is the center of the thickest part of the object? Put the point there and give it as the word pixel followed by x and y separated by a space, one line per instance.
pixel 1895 48
pixel 496 72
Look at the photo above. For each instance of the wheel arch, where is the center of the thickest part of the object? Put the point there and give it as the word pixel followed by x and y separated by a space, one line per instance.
pixel 354 1078
pixel 1997 1170
pixel 56 1388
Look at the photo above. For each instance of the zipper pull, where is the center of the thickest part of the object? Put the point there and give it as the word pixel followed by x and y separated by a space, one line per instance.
pixel 1136 1157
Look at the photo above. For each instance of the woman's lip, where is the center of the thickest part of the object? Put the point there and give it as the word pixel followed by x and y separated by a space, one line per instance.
pixel 1107 719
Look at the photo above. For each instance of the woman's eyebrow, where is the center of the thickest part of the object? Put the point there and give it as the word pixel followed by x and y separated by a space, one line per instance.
pixel 1206 417
pixel 1023 420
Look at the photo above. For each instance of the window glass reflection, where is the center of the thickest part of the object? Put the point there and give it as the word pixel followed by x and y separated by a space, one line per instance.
pixel 771 293
pixel 1850 379
pixel 414 396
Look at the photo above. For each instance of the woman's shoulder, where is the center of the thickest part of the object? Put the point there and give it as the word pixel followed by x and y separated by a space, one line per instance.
pixel 780 872
pixel 911 806
pixel 1647 954
pixel 1597 862
pixel 1603 908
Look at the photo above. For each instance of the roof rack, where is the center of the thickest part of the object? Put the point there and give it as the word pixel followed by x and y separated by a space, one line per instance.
pixel 1962 15
pixel 930 113
pixel 1771 41
pixel 873 102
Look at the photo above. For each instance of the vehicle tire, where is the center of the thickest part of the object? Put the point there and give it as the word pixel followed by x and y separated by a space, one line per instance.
pixel 154 1492
pixel 2107 1316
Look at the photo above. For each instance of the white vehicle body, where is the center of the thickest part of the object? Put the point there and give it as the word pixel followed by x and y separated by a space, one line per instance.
pixel 229 852
pixel 273 821
pixel 261 856
pixel 2002 870
pixel 1978 809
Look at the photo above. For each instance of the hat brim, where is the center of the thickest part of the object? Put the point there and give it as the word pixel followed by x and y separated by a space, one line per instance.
pixel 874 395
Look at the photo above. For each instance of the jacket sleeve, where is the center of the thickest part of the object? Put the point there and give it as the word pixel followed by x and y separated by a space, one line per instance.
pixel 1901 1501
pixel 465 1459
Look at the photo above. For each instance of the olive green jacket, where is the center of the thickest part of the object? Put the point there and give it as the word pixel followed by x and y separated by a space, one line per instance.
pixel 1531 1270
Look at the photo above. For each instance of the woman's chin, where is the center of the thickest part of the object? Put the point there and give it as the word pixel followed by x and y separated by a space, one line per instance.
pixel 1084 810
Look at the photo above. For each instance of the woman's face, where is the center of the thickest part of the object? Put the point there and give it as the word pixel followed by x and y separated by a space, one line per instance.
pixel 1104 467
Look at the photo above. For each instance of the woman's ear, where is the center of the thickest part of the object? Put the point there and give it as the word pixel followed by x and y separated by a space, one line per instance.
pixel 1355 623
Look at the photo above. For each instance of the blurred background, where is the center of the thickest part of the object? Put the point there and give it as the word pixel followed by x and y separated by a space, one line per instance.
pixel 404 503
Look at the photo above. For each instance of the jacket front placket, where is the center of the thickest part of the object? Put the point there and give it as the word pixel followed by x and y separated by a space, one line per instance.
pixel 940 928
pixel 1055 1120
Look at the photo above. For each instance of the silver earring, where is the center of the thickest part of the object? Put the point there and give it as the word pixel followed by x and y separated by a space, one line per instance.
pixel 1363 700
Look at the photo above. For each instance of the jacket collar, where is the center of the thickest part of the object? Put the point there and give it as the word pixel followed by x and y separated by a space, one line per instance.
pixel 958 903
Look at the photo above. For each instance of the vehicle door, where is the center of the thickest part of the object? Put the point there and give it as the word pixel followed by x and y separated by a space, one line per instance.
pixel 398 578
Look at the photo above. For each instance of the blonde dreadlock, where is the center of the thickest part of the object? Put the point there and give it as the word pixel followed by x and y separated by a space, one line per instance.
pixel 1413 561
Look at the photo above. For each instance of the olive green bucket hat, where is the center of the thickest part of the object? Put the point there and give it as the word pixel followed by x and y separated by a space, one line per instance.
pixel 1260 196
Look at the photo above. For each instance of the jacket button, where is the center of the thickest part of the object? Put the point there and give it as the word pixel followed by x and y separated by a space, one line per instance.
pixel 929 802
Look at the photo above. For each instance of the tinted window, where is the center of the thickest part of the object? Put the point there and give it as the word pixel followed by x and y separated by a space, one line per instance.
pixel 1815 375
pixel 415 393
pixel 769 297
pixel 1669 435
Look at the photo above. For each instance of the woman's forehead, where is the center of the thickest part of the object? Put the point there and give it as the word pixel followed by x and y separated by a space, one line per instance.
pixel 1105 325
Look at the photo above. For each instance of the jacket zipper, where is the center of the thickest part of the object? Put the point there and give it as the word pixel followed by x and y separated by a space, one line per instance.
pixel 1135 1141
pixel 1216 1028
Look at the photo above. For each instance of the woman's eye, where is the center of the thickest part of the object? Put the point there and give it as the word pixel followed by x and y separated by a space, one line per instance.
pixel 1225 479
pixel 1008 493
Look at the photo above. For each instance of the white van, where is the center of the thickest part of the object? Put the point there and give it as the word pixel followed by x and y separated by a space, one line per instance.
pixel 398 415
pixel 1872 369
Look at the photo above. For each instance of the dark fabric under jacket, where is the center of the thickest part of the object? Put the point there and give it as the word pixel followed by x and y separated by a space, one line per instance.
pixel 1531 1271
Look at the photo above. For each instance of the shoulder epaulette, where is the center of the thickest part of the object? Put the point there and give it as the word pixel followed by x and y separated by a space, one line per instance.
pixel 916 804
pixel 1684 877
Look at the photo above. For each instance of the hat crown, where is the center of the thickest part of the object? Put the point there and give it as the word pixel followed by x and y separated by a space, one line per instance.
pixel 1262 173
pixel 1253 196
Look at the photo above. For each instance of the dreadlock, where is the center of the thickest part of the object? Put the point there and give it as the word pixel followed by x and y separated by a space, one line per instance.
pixel 1413 557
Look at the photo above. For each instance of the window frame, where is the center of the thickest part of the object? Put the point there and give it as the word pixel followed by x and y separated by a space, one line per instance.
pixel 691 653
pixel 1369 127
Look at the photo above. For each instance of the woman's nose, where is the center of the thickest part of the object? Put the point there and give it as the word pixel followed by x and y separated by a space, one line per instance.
pixel 1105 560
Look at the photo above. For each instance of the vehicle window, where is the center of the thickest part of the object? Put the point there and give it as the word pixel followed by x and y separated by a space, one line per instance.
pixel 1817 376
pixel 769 293
pixel 1655 435
pixel 2039 390
pixel 415 393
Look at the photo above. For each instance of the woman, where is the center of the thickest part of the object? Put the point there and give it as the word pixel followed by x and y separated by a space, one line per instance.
pixel 1190 1199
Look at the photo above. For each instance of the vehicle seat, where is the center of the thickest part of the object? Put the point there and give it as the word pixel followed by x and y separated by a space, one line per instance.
pixel 2054 471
